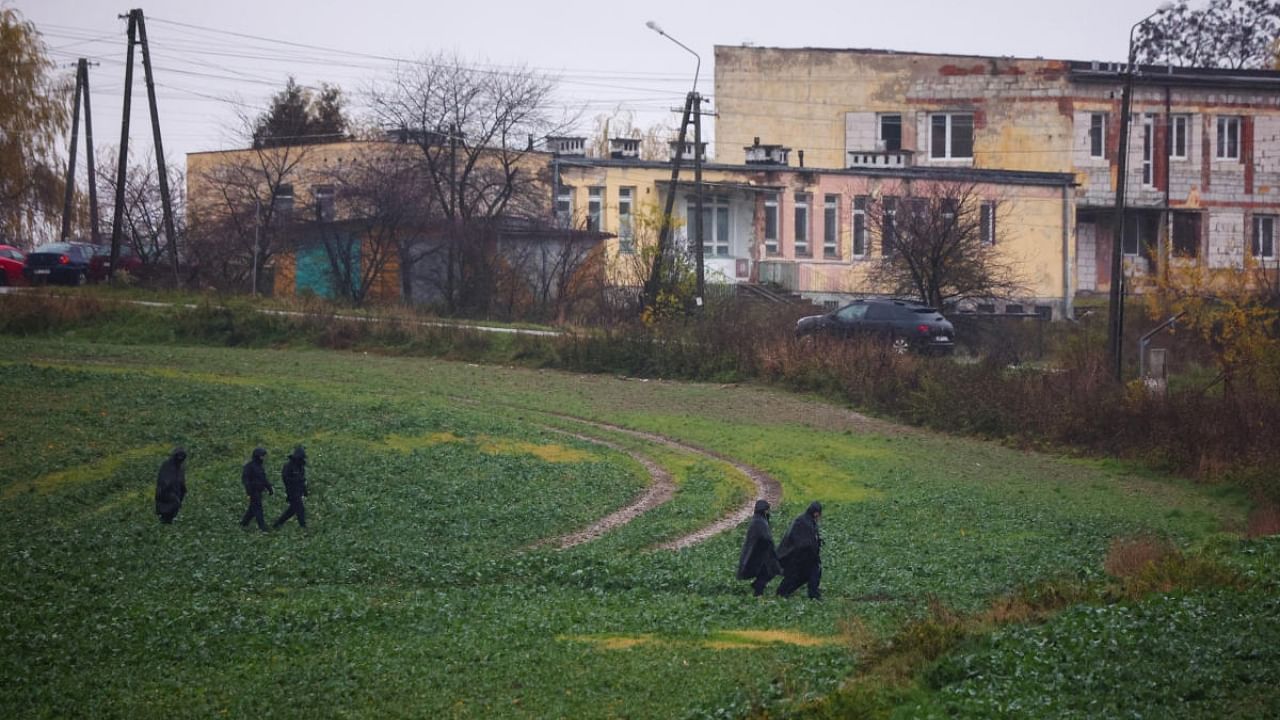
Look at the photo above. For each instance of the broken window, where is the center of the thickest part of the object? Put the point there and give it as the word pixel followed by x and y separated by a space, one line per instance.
pixel 951 136
pixel 1186 234
pixel 890 135
pixel 1229 138
pixel 1098 135
pixel 1264 237
pixel 831 226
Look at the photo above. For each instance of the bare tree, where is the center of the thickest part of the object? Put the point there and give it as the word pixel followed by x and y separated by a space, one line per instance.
pixel 622 124
pixel 1232 34
pixel 143 213
pixel 473 129
pixel 939 242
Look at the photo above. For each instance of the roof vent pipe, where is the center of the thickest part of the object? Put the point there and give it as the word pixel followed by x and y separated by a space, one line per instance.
pixel 800 154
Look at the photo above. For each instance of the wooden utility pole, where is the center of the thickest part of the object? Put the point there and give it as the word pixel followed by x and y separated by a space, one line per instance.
pixel 695 100
pixel 71 156
pixel 137 33
pixel 654 283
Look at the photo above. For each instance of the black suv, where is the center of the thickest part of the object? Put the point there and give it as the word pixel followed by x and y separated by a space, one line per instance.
pixel 906 325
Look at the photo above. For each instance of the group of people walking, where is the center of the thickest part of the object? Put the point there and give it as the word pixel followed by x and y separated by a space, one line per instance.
pixel 171 487
pixel 797 559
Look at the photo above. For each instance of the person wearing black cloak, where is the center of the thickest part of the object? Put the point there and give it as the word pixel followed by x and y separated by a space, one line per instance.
pixel 171 486
pixel 294 475
pixel 254 477
pixel 800 555
pixel 759 560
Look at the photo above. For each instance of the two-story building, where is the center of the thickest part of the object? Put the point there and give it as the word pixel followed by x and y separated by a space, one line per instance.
pixel 1204 151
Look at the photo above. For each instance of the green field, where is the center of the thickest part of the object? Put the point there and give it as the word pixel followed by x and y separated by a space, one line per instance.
pixel 420 588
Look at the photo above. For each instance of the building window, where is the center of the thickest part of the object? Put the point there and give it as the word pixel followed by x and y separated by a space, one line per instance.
pixel 1139 233
pixel 564 206
pixel 1098 135
pixel 889 135
pixel 1264 237
pixel 282 203
pixel 987 222
pixel 831 226
pixel 324 199
pixel 860 226
pixel 1186 234
pixel 626 234
pixel 951 136
pixel 888 228
pixel 595 209
pixel 802 224
pixel 1228 138
pixel 715 224
pixel 1178 139
pixel 771 224
pixel 1148 142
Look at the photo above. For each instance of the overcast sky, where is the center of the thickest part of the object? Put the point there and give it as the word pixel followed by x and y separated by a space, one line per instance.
pixel 602 52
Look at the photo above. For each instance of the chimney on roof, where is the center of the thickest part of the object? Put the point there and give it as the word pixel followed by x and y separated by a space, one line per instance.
pixel 800 155
pixel 758 154
pixel 624 148
pixel 567 145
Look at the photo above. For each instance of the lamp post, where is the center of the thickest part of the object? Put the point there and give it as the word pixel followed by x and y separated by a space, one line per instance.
pixel 1115 304
pixel 694 102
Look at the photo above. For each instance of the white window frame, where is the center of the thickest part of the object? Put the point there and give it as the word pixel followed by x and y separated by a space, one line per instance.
pixel 771 202
pixel 1098 122
pixel 595 208
pixel 626 233
pixel 1148 149
pixel 831 227
pixel 803 203
pixel 858 229
pixel 1256 246
pixel 949 141
pixel 564 205
pixel 1228 129
pixel 717 224
pixel 1179 129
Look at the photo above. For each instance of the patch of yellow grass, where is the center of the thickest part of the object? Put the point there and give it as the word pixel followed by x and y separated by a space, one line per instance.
pixel 732 639
pixel 82 474
pixel 551 452
pixel 405 444
pixel 610 642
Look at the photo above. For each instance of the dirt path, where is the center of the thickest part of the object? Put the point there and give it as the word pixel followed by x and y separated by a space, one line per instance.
pixel 766 487
pixel 660 490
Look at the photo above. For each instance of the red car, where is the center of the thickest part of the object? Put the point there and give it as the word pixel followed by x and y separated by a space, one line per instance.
pixel 101 262
pixel 12 261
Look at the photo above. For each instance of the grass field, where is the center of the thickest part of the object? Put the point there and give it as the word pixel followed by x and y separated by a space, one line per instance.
pixel 419 589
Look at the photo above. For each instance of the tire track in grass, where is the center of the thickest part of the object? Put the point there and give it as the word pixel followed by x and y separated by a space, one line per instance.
pixel 659 491
pixel 767 487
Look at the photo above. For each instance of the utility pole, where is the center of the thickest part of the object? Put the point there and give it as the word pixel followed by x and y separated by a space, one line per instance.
pixel 137 33
pixel 695 101
pixel 81 92
pixel 654 283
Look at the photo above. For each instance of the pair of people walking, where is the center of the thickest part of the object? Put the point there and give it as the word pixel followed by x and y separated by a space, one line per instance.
pixel 294 475
pixel 798 559
pixel 171 487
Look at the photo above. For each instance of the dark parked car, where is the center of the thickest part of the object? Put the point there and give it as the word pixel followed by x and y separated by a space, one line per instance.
pixel 906 325
pixel 11 263
pixel 101 262
pixel 66 263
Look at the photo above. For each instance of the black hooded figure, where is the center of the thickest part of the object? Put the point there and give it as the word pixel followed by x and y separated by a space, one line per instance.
pixel 171 485
pixel 759 560
pixel 799 553
pixel 294 475
pixel 254 477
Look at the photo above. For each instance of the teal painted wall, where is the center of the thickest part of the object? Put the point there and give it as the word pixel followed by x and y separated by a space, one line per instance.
pixel 313 273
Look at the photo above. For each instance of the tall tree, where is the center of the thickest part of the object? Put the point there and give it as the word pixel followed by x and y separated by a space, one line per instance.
pixel 299 116
pixel 1233 34
pixel 33 117
pixel 143 212
pixel 940 242
pixel 472 129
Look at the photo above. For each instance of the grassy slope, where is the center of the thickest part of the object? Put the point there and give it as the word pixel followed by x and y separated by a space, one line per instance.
pixel 410 596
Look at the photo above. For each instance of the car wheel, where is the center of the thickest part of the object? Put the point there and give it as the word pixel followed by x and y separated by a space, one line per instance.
pixel 900 345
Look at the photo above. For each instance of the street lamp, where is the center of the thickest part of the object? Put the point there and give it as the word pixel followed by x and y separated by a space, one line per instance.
pixel 693 104
pixel 1115 308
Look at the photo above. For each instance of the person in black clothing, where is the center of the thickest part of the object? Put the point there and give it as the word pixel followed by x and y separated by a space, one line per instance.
pixel 759 560
pixel 171 486
pixel 294 475
pixel 800 555
pixel 254 477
